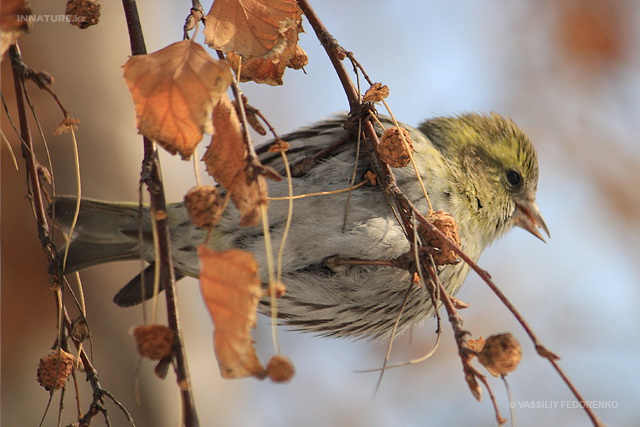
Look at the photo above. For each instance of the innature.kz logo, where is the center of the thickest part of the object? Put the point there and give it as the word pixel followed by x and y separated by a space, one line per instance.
pixel 50 18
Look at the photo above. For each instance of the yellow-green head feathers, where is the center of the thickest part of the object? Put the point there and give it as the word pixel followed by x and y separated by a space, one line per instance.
pixel 494 166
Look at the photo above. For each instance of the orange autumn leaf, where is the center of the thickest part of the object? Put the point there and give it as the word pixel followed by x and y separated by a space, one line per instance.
pixel 259 70
pixel 250 28
pixel 231 290
pixel 299 59
pixel 174 91
pixel 476 345
pixel 376 93
pixel 226 161
pixel 259 36
pixel 270 68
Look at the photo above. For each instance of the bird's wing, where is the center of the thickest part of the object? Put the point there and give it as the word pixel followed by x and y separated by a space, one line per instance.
pixel 306 142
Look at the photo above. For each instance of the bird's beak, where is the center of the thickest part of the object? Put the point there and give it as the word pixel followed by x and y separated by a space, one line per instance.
pixel 528 216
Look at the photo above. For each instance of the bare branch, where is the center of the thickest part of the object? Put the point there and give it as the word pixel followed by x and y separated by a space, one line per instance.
pixel 153 179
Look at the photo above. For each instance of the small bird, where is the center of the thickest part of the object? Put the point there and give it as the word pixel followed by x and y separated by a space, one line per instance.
pixel 481 168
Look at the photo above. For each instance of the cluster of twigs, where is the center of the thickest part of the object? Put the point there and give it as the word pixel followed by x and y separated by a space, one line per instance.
pixel 408 216
pixel 407 212
pixel 37 196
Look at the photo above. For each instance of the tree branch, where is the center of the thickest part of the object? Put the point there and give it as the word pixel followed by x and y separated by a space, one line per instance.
pixel 153 179
pixel 37 203
pixel 405 208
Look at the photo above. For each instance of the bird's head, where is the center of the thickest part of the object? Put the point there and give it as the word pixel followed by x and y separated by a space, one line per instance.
pixel 494 171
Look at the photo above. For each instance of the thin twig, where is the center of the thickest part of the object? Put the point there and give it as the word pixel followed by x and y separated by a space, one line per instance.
pixel 461 338
pixel 512 408
pixel 37 203
pixel 153 180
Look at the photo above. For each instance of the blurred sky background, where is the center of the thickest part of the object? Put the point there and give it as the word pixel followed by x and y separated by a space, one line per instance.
pixel 567 72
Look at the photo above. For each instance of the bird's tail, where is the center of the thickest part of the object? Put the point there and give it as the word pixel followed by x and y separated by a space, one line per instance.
pixel 104 231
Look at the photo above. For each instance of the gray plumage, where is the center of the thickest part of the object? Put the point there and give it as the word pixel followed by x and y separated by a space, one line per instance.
pixel 354 301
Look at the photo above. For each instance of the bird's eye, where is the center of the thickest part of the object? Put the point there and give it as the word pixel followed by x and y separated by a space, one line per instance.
pixel 514 178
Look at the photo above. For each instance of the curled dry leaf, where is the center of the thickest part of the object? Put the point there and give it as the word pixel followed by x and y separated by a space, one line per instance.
pixel 80 329
pixel 66 126
pixel 174 91
pixel 259 36
pixel 268 70
pixel 251 28
pixel 476 345
pixel 162 368
pixel 226 160
pixel 376 93
pixel 278 146
pixel 231 290
pixel 299 59
pixel 501 354
pixel 473 385
pixel 459 304
pixel 392 148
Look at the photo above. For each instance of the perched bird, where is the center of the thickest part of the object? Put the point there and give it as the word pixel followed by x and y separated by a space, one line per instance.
pixel 482 169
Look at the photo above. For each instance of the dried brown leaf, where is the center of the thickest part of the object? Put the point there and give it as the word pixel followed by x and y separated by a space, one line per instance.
pixel 231 289
pixel 226 160
pixel 162 368
pixel 66 126
pixel 270 68
pixel 251 28
pixel 377 92
pixel 80 329
pixel 473 385
pixel 174 91
pixel 299 59
pixel 476 345
pixel 259 70
pixel 260 37
pixel 278 146
pixel 459 304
